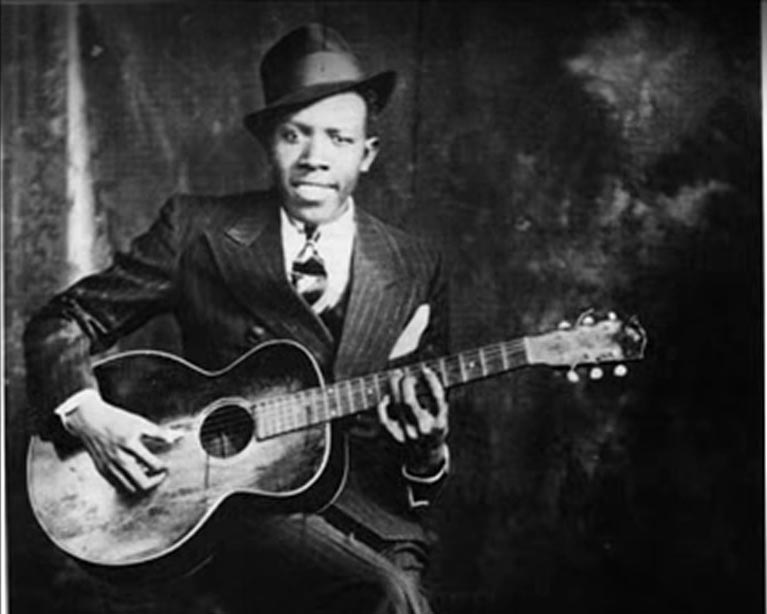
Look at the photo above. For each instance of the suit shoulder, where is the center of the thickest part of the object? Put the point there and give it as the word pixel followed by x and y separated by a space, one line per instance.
pixel 418 250
pixel 198 212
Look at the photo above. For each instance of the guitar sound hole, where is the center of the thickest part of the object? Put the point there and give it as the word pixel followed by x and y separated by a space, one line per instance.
pixel 226 431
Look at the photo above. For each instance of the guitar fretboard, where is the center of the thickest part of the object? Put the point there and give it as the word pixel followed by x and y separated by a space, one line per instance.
pixel 284 413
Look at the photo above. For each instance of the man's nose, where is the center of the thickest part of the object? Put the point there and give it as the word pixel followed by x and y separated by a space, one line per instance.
pixel 314 154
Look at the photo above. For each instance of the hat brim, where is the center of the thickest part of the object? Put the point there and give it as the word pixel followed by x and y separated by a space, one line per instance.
pixel 381 85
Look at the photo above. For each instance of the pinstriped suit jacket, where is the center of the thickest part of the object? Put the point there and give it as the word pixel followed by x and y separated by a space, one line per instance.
pixel 216 263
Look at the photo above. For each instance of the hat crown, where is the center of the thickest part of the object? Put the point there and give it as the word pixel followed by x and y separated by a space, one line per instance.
pixel 310 55
pixel 308 64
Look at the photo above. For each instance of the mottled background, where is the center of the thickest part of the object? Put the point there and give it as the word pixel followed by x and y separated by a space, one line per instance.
pixel 570 157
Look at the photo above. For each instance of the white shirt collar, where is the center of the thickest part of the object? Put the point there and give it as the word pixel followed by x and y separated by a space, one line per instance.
pixel 338 229
pixel 334 245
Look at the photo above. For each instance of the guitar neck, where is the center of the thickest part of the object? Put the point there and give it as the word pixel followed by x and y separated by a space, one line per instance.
pixel 284 413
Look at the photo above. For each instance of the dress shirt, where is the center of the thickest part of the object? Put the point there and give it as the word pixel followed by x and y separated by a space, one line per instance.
pixel 335 245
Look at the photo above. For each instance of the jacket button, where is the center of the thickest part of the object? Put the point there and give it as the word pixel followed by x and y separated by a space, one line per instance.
pixel 255 334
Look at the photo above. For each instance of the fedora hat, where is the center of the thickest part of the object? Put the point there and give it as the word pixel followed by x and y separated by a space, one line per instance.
pixel 310 63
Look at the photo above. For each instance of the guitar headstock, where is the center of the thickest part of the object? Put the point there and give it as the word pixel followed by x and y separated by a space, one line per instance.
pixel 593 340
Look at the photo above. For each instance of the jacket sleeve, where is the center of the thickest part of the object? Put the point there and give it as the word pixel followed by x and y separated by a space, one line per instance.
pixel 94 313
pixel 422 490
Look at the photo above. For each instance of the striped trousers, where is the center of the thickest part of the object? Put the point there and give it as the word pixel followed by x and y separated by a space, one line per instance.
pixel 299 564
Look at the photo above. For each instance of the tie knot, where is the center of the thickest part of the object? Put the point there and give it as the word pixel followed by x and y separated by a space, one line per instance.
pixel 312 232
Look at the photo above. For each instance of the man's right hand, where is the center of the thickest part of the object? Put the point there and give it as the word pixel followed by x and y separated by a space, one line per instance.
pixel 113 438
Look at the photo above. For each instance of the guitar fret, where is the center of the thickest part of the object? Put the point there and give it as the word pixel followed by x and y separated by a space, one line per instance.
pixel 482 364
pixel 519 353
pixel 294 409
pixel 333 400
pixel 441 363
pixel 319 395
pixel 454 371
pixel 284 418
pixel 307 412
pixel 500 361
pixel 349 397
pixel 473 372
pixel 280 414
pixel 373 389
pixel 336 400
pixel 292 416
pixel 304 412
pixel 504 356
pixel 291 410
pixel 327 410
pixel 260 420
pixel 329 402
pixel 286 414
pixel 378 386
pixel 355 398
pixel 363 388
pixel 312 411
pixel 461 367
pixel 276 417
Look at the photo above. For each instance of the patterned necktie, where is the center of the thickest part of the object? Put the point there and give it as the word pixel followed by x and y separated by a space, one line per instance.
pixel 308 274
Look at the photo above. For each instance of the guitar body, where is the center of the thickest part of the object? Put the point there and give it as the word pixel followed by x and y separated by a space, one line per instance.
pixel 216 458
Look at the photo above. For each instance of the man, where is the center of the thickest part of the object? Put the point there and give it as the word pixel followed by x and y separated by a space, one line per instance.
pixel 300 262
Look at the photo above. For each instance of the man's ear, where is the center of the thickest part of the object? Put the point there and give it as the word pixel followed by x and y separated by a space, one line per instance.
pixel 371 151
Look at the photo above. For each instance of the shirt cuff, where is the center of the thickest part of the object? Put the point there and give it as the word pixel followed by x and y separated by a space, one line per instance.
pixel 415 480
pixel 413 502
pixel 429 479
pixel 64 410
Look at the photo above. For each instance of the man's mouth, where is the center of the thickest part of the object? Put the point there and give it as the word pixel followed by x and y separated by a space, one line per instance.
pixel 313 191
pixel 302 183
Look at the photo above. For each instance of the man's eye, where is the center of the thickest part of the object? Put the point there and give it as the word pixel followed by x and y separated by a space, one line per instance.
pixel 340 139
pixel 289 135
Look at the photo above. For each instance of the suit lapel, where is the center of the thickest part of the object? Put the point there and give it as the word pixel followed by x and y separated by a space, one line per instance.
pixel 379 302
pixel 249 256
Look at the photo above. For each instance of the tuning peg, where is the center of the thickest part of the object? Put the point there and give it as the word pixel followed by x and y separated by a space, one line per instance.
pixel 564 325
pixel 572 376
pixel 620 371
pixel 586 318
pixel 596 373
pixel 612 316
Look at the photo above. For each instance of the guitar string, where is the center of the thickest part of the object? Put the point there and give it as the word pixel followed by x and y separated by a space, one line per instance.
pixel 285 413
pixel 286 408
pixel 282 409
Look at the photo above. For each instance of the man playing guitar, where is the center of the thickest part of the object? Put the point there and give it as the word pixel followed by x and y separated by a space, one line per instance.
pixel 300 262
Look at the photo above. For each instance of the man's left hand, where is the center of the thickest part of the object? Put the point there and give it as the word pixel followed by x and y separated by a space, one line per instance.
pixel 420 424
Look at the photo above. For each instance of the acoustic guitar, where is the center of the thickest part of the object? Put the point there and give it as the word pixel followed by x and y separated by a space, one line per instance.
pixel 261 429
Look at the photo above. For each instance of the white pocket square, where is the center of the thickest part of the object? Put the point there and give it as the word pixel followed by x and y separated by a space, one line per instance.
pixel 411 335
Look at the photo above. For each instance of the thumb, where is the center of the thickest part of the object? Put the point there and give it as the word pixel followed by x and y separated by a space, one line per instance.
pixel 165 434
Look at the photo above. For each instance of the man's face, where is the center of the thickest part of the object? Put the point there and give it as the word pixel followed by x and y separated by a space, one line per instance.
pixel 318 153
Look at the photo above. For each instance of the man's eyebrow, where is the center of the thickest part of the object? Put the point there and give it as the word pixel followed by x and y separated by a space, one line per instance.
pixel 290 123
pixel 306 128
pixel 339 130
